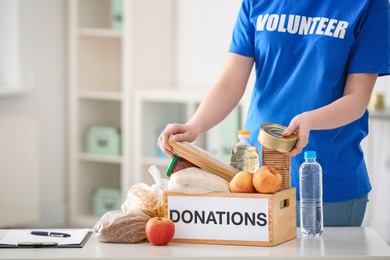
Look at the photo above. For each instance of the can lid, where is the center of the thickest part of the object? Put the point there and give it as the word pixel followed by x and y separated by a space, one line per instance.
pixel 270 136
pixel 310 155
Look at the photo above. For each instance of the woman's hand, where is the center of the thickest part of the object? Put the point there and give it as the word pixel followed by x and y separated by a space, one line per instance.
pixel 179 133
pixel 300 125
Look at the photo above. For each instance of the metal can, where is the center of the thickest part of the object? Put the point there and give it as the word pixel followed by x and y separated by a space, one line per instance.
pixel 270 136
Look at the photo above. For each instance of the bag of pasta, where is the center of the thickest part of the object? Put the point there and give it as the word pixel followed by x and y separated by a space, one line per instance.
pixel 148 199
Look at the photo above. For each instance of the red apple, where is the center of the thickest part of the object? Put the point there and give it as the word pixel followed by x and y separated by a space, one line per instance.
pixel 242 183
pixel 267 179
pixel 160 230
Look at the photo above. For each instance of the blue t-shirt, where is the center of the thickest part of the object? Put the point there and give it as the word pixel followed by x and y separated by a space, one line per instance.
pixel 303 52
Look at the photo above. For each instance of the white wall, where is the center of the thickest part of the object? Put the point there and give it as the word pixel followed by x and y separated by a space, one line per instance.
pixel 203 34
pixel 43 50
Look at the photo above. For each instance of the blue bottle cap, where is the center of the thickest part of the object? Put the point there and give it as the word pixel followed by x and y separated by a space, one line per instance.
pixel 310 155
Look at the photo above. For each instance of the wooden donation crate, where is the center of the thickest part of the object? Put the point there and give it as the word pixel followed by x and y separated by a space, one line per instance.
pixel 250 219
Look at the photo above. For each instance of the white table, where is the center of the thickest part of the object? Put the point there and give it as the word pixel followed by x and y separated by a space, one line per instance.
pixel 336 243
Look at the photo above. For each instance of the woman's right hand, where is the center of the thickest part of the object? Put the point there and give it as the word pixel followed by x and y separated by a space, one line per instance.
pixel 178 133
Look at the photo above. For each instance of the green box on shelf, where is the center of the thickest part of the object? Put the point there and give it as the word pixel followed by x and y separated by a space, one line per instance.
pixel 103 140
pixel 117 14
pixel 106 199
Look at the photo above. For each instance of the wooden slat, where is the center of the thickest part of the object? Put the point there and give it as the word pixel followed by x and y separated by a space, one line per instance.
pixel 203 159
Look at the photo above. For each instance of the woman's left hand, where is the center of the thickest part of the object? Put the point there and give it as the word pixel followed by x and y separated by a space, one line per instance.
pixel 300 125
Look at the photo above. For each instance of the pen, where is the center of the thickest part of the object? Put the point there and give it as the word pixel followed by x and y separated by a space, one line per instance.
pixel 49 234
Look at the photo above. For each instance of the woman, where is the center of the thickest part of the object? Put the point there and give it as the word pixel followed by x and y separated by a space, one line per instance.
pixel 316 65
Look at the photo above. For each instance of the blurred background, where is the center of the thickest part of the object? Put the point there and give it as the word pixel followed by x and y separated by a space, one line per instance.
pixel 86 87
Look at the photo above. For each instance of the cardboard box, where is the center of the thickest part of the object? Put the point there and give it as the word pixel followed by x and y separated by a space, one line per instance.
pixel 233 218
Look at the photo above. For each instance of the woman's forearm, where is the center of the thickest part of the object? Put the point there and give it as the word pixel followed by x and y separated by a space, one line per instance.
pixel 348 108
pixel 345 110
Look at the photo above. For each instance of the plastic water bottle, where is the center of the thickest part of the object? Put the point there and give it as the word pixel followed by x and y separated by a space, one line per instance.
pixel 243 155
pixel 310 181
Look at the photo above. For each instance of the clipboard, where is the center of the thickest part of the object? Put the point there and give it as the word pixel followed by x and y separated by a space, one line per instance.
pixel 47 244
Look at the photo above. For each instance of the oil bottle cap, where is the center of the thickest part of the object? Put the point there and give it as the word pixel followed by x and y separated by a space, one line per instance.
pixel 243 133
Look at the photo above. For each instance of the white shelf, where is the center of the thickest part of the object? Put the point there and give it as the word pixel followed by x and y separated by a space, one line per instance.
pixel 93 32
pixel 101 95
pixel 170 95
pixel 124 79
pixel 100 158
pixel 380 114
pixel 97 96
pixel 106 66
pixel 159 162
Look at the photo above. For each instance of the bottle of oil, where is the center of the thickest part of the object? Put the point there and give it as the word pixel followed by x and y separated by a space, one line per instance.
pixel 243 155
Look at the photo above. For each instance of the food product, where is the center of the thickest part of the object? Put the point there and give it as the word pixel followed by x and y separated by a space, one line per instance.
pixel 196 181
pixel 120 227
pixel 242 183
pixel 160 230
pixel 243 155
pixel 177 164
pixel 147 198
pixel 203 159
pixel 140 197
pixel 270 136
pixel 267 179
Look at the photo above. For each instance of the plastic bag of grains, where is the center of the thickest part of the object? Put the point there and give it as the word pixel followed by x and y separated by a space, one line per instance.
pixel 122 227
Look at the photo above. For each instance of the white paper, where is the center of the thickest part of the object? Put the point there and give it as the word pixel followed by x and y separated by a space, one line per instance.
pixel 14 237
pixel 220 228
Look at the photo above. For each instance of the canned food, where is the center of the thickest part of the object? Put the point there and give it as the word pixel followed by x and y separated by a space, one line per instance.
pixel 270 136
